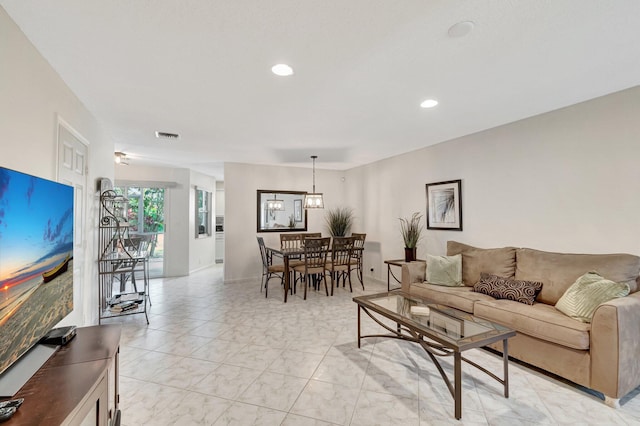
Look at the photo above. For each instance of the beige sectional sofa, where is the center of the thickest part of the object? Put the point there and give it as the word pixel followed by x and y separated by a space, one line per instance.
pixel 603 355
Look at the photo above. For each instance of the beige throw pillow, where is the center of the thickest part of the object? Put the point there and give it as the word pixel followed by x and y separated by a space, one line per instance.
pixel 444 270
pixel 590 290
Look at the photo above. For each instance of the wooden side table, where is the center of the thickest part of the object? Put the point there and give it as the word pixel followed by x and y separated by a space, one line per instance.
pixel 399 263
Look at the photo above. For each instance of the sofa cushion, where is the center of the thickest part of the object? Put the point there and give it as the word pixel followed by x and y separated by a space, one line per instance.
pixel 539 320
pixel 558 271
pixel 497 261
pixel 590 290
pixel 461 298
pixel 444 270
pixel 506 288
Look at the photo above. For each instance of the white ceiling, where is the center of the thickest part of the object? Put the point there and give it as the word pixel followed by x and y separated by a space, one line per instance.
pixel 201 68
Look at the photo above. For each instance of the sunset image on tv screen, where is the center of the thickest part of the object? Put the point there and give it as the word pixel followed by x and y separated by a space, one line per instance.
pixel 36 260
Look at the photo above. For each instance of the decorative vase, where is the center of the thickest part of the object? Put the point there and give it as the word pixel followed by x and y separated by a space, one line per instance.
pixel 409 254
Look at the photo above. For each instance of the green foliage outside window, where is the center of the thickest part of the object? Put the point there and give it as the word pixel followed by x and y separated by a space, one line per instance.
pixel 153 208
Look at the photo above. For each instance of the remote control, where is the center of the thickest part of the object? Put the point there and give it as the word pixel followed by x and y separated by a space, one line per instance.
pixel 12 403
pixel 6 413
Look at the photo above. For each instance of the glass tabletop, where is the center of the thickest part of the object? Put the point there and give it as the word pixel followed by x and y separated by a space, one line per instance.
pixel 445 322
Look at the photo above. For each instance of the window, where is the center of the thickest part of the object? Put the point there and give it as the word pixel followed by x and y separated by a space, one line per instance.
pixel 203 213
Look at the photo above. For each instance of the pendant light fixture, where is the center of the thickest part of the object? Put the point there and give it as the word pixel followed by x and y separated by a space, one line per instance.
pixel 275 204
pixel 314 199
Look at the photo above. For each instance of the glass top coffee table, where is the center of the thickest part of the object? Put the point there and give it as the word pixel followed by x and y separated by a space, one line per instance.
pixel 440 330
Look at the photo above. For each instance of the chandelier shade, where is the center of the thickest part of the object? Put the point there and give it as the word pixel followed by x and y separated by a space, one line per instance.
pixel 275 204
pixel 314 199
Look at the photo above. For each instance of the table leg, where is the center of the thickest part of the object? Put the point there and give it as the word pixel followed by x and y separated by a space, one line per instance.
pixel 505 360
pixel 286 277
pixel 359 326
pixel 458 384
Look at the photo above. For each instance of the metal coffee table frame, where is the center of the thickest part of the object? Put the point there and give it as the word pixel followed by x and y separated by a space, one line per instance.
pixel 438 345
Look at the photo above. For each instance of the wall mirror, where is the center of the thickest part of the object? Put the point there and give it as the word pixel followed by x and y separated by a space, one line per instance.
pixel 281 211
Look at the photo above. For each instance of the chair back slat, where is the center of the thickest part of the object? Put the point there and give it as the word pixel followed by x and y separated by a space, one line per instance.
pixel 358 239
pixel 312 235
pixel 341 250
pixel 290 241
pixel 315 252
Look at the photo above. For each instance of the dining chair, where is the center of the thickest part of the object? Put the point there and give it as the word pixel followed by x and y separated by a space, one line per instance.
pixel 340 264
pixel 269 269
pixel 141 243
pixel 290 241
pixel 356 255
pixel 315 263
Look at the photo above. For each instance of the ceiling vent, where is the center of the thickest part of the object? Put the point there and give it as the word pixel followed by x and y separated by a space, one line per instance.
pixel 165 135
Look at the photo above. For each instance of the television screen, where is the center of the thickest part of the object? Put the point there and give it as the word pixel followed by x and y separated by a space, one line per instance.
pixel 36 260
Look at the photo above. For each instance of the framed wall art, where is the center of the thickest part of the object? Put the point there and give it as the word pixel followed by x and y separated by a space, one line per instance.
pixel 444 205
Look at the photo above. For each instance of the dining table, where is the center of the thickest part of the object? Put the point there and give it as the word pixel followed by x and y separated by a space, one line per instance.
pixel 291 253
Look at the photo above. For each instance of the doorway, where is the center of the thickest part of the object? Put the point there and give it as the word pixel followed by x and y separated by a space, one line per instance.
pixel 146 218
pixel 73 151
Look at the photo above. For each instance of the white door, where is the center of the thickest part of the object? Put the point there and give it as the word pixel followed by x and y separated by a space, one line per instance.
pixel 72 170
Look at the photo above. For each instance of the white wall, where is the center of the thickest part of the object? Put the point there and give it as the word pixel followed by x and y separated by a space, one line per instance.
pixel 565 181
pixel 241 181
pixel 177 217
pixel 201 250
pixel 32 95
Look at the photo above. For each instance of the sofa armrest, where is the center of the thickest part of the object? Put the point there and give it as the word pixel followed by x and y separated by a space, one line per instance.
pixel 615 345
pixel 413 272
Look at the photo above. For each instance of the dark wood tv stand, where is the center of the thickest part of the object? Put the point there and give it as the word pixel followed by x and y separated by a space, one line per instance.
pixel 78 384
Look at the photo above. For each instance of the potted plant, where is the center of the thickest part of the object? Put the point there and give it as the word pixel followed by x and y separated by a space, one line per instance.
pixel 339 221
pixel 411 230
pixel 292 222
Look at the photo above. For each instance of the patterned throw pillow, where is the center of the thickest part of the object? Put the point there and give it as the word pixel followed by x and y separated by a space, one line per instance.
pixel 444 270
pixel 590 290
pixel 505 288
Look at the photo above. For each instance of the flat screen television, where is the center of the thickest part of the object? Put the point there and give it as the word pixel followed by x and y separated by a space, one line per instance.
pixel 36 260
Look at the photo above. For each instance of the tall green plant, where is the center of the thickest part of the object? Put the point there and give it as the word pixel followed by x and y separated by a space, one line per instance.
pixel 339 221
pixel 411 230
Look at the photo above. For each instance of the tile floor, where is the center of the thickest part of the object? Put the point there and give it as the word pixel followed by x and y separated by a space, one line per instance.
pixel 216 354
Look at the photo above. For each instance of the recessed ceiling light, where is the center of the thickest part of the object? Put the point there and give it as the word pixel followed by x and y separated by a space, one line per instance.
pixel 282 70
pixel 461 29
pixel 429 103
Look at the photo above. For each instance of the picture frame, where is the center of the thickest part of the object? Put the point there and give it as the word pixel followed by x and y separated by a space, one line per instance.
pixel 297 210
pixel 444 205
pixel 448 324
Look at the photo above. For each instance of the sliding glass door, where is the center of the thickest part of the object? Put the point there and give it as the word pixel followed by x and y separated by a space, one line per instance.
pixel 146 222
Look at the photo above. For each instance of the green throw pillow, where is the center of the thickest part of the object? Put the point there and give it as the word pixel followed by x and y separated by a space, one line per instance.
pixel 444 270
pixel 590 290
